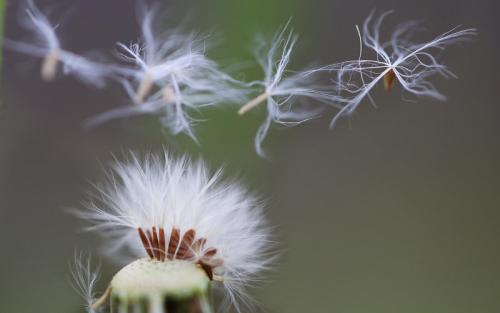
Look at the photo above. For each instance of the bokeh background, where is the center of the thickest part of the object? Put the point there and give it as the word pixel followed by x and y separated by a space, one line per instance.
pixel 397 210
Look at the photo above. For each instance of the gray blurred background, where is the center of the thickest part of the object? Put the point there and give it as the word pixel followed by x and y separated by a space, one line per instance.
pixel 397 210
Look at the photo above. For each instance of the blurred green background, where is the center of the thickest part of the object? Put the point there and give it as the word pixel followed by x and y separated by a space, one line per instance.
pixel 397 210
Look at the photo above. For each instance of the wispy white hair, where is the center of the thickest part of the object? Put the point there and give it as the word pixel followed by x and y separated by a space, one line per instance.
pixel 171 58
pixel 46 42
pixel 285 91
pixel 176 104
pixel 84 279
pixel 163 192
pixel 175 64
pixel 411 63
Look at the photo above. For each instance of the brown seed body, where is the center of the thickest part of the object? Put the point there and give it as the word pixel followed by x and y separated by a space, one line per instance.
pixel 187 248
pixel 49 65
pixel 389 80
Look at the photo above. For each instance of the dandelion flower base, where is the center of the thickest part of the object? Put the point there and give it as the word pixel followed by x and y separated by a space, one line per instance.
pixel 152 286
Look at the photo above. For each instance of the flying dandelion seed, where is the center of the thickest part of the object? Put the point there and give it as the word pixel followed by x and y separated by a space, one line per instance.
pixel 173 76
pixel 172 60
pixel 176 108
pixel 282 89
pixel 398 60
pixel 174 117
pixel 191 227
pixel 48 47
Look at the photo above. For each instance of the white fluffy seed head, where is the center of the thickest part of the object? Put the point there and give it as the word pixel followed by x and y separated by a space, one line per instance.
pixel 411 63
pixel 167 193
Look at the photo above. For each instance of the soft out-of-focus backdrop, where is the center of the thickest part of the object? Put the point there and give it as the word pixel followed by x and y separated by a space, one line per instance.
pixel 396 210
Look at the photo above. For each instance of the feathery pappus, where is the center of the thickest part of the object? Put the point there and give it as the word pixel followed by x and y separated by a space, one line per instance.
pixel 397 60
pixel 169 73
pixel 291 98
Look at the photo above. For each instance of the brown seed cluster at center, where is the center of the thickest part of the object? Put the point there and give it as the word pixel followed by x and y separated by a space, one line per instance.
pixel 185 248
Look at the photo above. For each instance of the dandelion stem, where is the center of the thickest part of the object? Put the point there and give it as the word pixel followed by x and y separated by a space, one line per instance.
pixel 144 87
pixel 49 65
pixel 253 103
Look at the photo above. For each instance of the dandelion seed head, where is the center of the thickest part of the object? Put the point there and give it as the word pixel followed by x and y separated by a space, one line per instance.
pixel 172 209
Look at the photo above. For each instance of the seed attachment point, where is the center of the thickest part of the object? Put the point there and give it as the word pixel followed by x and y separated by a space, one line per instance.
pixel 253 103
pixel 49 65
